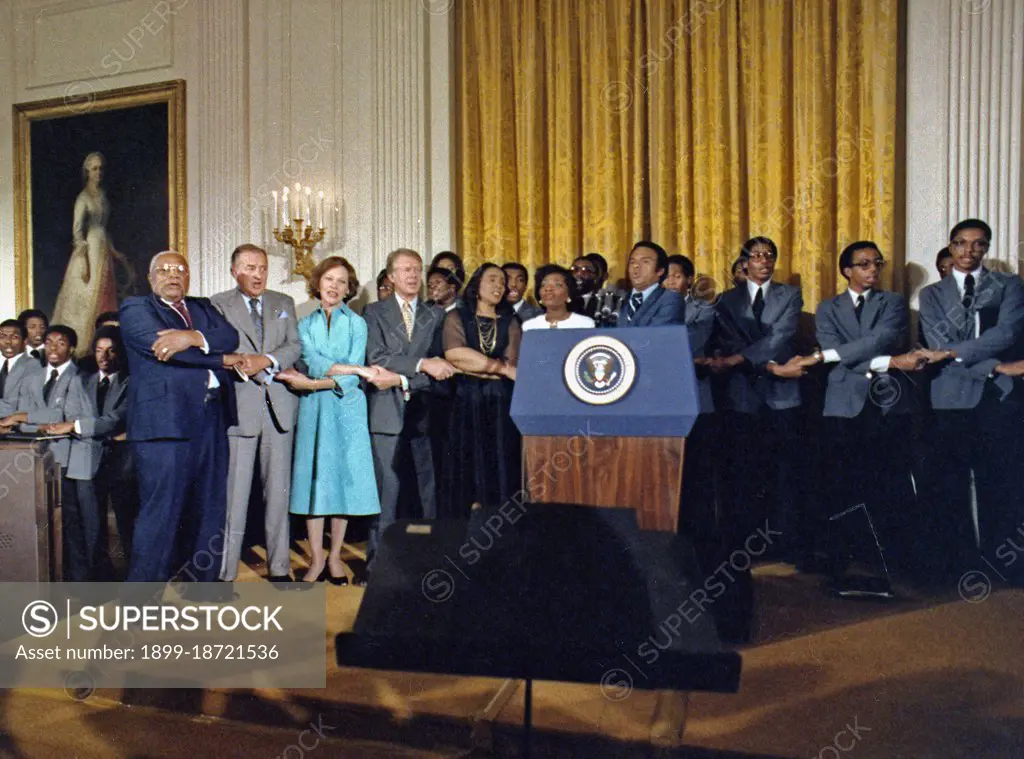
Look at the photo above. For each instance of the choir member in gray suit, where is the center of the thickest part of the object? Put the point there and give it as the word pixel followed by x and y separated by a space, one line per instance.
pixel 95 411
pixel 974 320
pixel 42 401
pixel 268 342
pixel 862 334
pixel 400 338
pixel 755 329
pixel 16 366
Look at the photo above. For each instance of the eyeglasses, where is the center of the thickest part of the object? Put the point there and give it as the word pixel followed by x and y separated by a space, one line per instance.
pixel 981 246
pixel 760 255
pixel 582 270
pixel 865 265
pixel 171 269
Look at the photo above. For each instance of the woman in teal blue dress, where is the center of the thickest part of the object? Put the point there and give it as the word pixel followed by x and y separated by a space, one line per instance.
pixel 332 474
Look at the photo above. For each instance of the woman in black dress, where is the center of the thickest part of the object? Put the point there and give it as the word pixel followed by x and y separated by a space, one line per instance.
pixel 481 339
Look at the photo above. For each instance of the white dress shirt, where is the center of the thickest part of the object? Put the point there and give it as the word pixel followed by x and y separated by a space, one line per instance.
pixel 878 363
pixel 12 361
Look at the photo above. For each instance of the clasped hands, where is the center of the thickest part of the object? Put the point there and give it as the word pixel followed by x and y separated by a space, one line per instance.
pixel 170 342
pixel 249 363
pixel 798 365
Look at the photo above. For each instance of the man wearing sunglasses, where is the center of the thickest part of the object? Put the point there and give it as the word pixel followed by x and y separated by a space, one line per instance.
pixel 974 321
pixel 179 407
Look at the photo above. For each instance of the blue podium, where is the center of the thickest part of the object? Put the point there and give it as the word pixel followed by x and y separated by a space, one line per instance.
pixel 604 415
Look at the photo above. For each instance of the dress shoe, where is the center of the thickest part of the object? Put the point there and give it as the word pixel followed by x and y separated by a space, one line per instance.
pixel 339 581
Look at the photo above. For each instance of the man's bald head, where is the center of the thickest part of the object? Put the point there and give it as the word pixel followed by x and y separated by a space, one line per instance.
pixel 169 276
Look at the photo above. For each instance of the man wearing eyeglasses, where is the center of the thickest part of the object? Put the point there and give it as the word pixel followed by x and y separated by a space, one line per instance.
pixel 868 400
pixel 179 407
pixel 973 320
pixel 586 275
pixel 755 327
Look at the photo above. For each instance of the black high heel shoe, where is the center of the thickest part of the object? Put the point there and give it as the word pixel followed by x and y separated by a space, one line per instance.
pixel 341 582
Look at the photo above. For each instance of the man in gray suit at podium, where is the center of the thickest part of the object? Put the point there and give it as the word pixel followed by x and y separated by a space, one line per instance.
pixel 400 338
pixel 268 339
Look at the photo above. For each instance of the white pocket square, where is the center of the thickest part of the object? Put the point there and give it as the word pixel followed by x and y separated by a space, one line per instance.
pixel 282 314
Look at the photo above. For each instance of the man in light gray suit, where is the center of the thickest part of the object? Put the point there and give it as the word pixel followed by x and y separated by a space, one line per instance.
pixel 16 366
pixel 862 333
pixel 755 328
pixel 269 343
pixel 400 337
pixel 974 319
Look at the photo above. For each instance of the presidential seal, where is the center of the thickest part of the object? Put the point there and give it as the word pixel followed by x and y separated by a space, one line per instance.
pixel 600 370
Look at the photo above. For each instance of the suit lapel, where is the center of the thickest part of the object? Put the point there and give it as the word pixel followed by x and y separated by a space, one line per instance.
pixel 243 318
pixel 954 307
pixel 772 304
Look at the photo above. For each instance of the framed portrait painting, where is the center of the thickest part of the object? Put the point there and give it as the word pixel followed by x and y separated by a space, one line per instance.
pixel 99 188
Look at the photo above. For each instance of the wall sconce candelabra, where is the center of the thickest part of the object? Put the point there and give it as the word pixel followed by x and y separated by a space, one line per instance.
pixel 291 212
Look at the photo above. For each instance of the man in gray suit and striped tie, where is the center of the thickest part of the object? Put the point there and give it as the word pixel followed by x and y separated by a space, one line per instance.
pixel 974 319
pixel 268 342
pixel 400 338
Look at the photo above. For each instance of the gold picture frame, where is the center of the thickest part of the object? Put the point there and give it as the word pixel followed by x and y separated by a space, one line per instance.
pixel 58 146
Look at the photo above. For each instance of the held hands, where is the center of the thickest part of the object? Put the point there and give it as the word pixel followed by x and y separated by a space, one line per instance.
pixel 794 368
pixel 724 364
pixel 58 428
pixel 914 361
pixel 170 342
pixel 9 422
pixel 383 379
pixel 1011 369
pixel 934 357
pixel 295 379
pixel 437 368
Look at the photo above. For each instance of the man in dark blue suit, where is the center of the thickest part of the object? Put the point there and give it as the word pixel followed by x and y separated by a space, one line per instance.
pixel 648 304
pixel 179 410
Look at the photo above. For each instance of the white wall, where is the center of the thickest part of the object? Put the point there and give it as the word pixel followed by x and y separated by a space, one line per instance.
pixel 349 96
pixel 965 112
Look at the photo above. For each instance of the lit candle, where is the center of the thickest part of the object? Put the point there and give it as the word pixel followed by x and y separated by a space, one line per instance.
pixel 297 211
pixel 321 209
pixel 309 214
pixel 276 215
pixel 286 211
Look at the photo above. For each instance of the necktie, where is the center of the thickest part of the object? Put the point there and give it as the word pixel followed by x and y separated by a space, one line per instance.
pixel 759 305
pixel 101 394
pixel 257 320
pixel 37 355
pixel 183 312
pixel 968 291
pixel 859 308
pixel 48 387
pixel 635 301
pixel 3 378
pixel 407 318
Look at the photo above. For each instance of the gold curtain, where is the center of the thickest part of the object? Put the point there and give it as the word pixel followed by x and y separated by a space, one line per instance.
pixel 585 125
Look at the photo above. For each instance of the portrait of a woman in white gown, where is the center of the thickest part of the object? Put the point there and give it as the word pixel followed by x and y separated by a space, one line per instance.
pixel 89 286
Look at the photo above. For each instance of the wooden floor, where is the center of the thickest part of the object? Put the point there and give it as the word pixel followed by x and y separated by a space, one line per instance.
pixel 924 676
